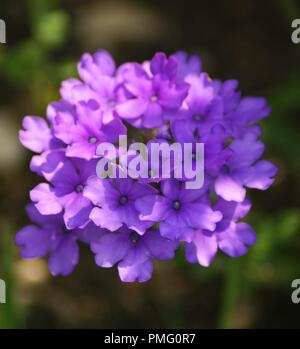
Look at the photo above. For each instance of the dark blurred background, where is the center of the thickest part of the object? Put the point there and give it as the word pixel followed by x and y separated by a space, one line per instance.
pixel 249 40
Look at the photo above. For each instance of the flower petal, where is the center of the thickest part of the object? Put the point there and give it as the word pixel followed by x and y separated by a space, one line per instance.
pixel 152 207
pixel 106 219
pixel 229 189
pixel 65 257
pixel 203 248
pixel 153 116
pixel 159 247
pixel 235 239
pixel 132 108
pixel 34 241
pixel 110 249
pixel 136 272
pixel 36 135
pixel 262 175
pixel 45 200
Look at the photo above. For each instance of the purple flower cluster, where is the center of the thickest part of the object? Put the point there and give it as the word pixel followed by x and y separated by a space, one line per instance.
pixel 132 222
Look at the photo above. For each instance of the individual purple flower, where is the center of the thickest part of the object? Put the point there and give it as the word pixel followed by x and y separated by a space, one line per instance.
pixel 84 131
pixel 200 112
pixel 249 111
pixel 65 193
pixel 234 236
pixel 243 169
pixel 179 210
pixel 48 236
pixel 151 97
pixel 231 236
pixel 133 253
pixel 115 200
pixel 98 71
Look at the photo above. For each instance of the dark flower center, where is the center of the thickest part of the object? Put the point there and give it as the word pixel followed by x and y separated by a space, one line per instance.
pixel 228 141
pixel 123 200
pixel 92 140
pixel 197 117
pixel 225 169
pixel 134 237
pixel 176 205
pixel 79 188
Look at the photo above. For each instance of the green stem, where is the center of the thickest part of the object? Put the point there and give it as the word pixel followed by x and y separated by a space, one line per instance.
pixel 230 294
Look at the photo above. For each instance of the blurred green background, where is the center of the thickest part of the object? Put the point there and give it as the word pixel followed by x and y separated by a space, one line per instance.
pixel 249 40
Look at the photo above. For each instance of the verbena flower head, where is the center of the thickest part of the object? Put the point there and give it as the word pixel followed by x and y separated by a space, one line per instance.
pixel 130 222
